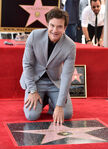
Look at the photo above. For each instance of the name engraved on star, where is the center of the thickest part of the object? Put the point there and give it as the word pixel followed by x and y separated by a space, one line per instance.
pixel 38 8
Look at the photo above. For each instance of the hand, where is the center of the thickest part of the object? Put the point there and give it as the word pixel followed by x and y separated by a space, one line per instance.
pixel 100 43
pixel 90 43
pixel 32 100
pixel 58 115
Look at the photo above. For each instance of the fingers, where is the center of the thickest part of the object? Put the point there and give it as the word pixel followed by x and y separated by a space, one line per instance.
pixel 58 120
pixel 58 115
pixel 32 103
pixel 35 103
pixel 40 100
pixel 29 104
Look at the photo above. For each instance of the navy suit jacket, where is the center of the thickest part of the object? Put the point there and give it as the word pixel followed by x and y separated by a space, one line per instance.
pixel 72 7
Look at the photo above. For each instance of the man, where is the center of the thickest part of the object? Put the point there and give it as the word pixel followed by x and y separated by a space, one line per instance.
pixel 48 65
pixel 82 5
pixel 88 22
pixel 72 7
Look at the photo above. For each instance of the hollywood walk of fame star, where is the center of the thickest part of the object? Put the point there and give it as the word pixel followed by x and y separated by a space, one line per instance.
pixel 76 76
pixel 54 133
pixel 37 12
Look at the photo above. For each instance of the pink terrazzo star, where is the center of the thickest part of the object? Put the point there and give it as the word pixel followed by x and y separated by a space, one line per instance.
pixel 76 76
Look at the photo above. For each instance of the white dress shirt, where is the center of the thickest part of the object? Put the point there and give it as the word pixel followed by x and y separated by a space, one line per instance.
pixel 88 16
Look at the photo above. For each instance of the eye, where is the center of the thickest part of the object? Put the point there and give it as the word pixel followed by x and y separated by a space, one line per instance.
pixel 59 27
pixel 95 6
pixel 51 25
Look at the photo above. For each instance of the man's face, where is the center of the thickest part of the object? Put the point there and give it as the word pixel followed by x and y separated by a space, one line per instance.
pixel 96 6
pixel 56 29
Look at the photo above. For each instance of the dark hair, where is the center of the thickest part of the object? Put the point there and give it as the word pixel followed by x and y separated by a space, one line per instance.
pixel 59 14
pixel 95 1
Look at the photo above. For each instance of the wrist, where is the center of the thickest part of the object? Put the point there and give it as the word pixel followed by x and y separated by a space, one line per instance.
pixel 89 40
pixel 59 107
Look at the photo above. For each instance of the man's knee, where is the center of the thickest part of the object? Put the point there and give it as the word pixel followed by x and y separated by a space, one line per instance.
pixel 32 115
pixel 68 115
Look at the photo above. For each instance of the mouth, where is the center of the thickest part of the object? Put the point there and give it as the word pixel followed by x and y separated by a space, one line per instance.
pixel 54 34
pixel 96 12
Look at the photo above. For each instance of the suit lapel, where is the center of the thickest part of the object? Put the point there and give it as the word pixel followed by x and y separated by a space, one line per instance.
pixel 45 48
pixel 56 49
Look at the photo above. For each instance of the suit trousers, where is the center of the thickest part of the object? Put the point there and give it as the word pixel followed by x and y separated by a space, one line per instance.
pixel 48 92
pixel 91 31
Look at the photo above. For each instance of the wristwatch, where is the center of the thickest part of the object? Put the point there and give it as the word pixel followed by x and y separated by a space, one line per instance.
pixel 88 40
pixel 32 92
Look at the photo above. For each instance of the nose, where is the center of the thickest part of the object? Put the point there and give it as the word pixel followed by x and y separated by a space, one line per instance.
pixel 55 29
pixel 96 8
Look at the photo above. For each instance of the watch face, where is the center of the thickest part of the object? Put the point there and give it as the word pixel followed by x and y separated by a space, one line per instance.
pixel 32 92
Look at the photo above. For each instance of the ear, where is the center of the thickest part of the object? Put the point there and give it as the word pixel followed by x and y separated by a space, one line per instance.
pixel 47 24
pixel 65 28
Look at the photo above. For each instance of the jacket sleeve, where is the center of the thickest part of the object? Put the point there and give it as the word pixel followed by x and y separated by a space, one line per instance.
pixel 28 64
pixel 66 76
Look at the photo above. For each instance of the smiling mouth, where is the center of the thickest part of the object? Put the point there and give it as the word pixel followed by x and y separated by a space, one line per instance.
pixel 55 34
